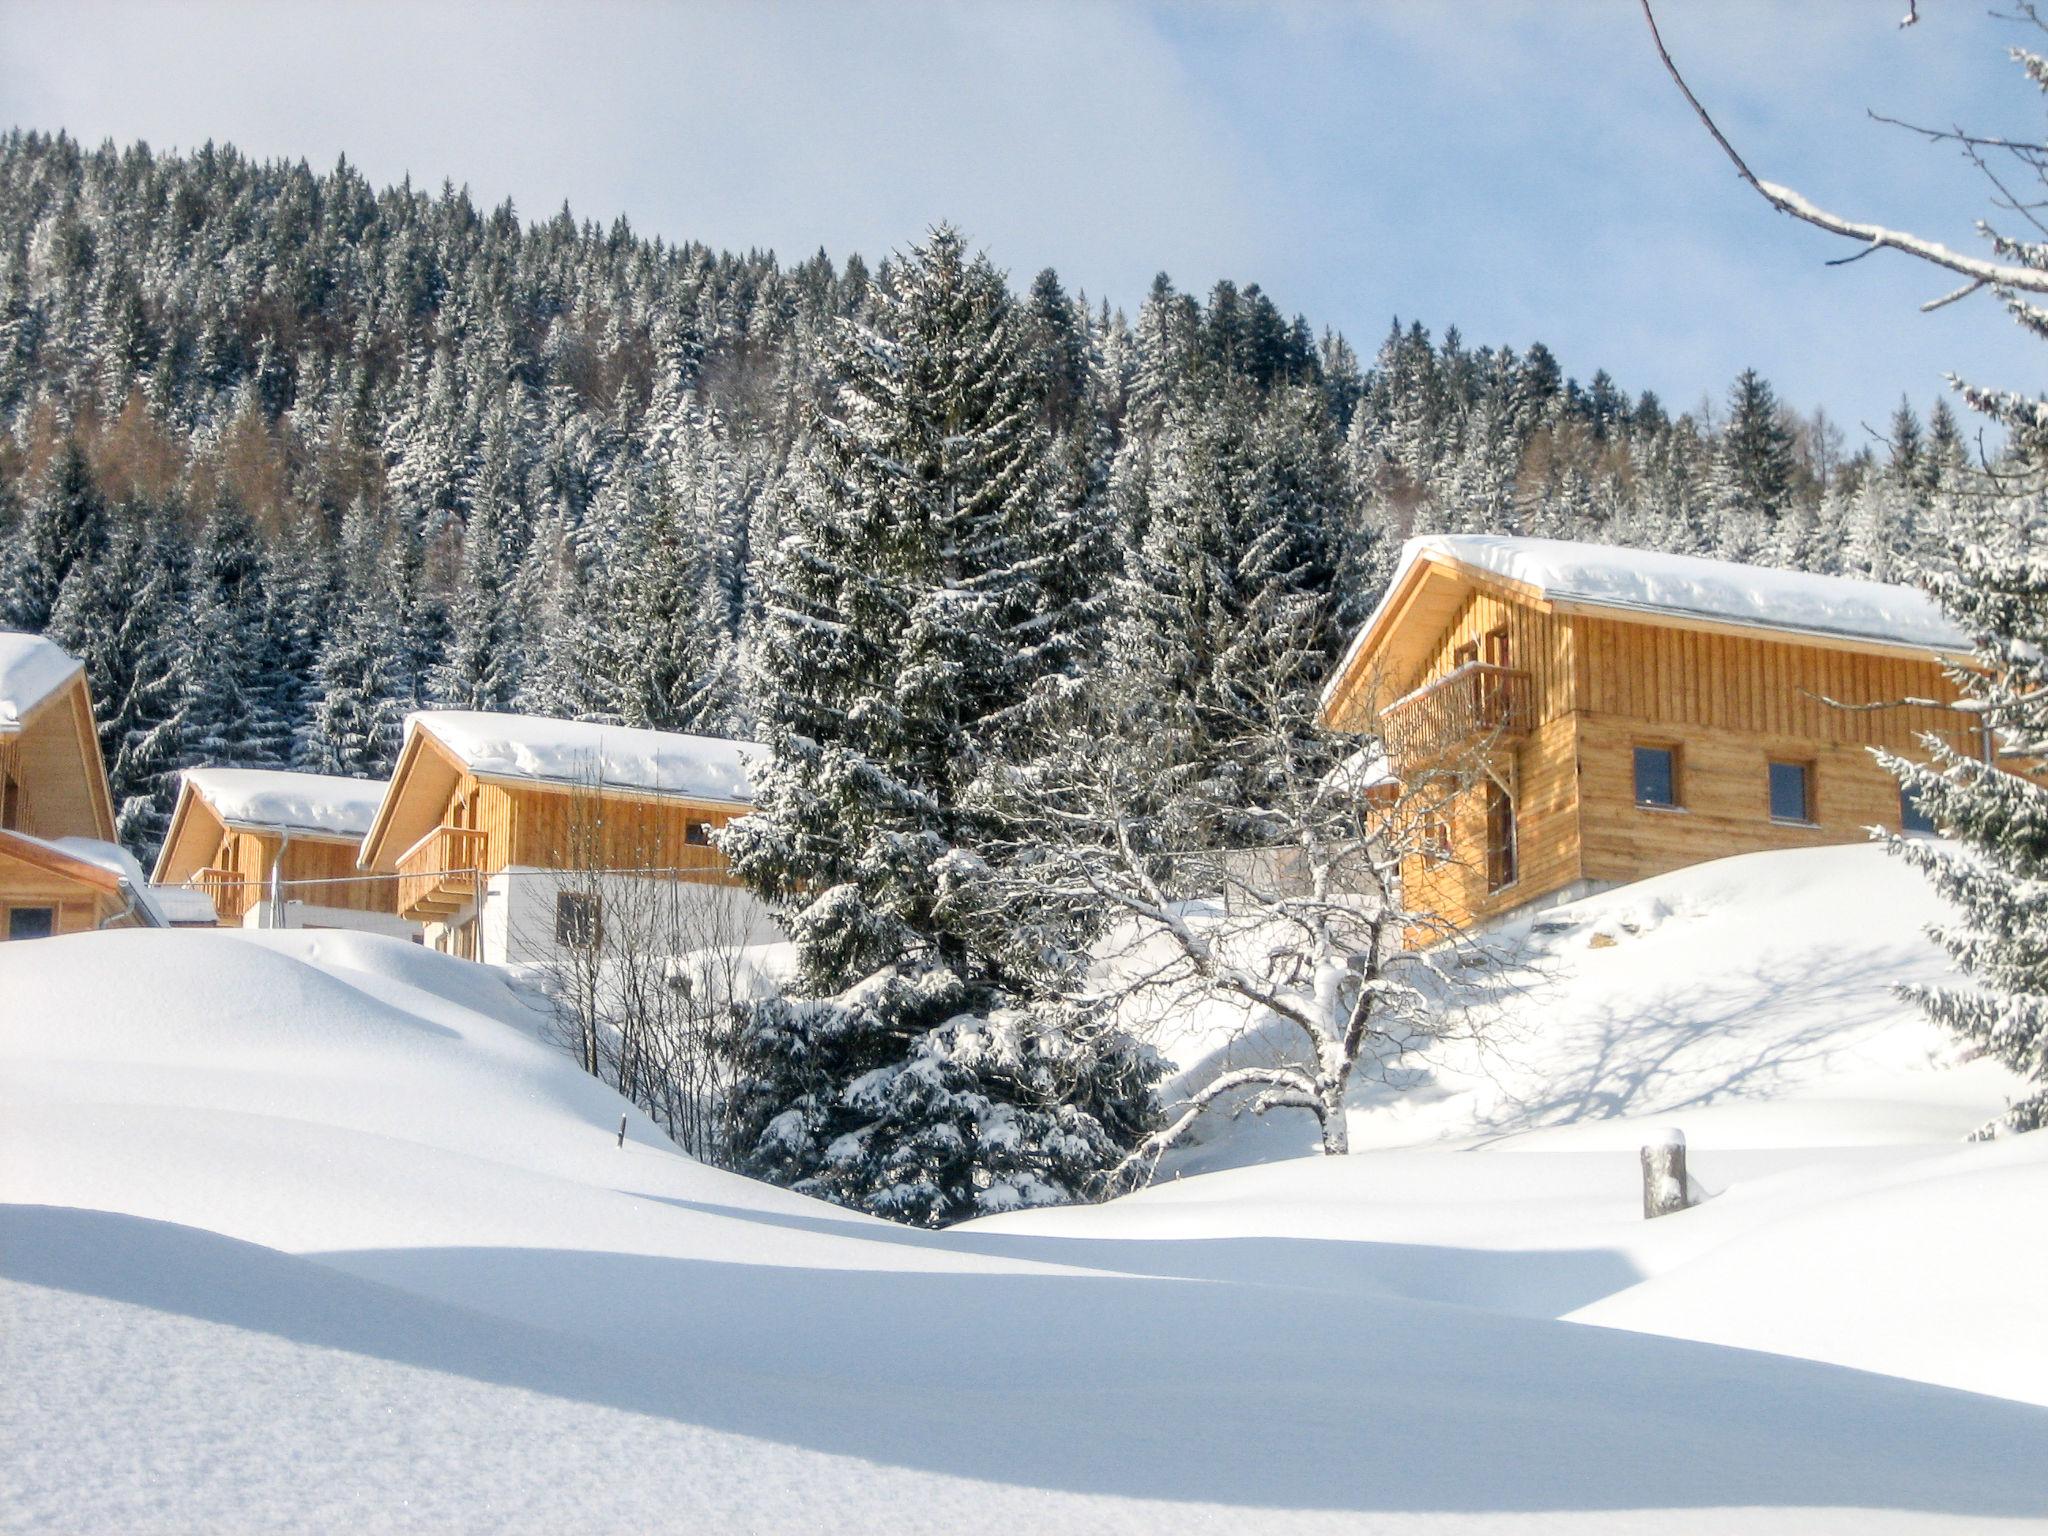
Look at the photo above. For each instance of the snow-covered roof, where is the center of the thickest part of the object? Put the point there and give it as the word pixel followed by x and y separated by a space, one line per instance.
pixel 578 752
pixel 117 865
pixel 1611 576
pixel 321 803
pixel 1653 583
pixel 31 669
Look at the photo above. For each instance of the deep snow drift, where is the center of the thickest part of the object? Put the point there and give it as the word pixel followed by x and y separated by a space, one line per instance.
pixel 309 1231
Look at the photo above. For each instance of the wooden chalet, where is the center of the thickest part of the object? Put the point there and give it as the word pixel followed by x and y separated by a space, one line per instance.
pixel 276 849
pixel 60 869
pixel 1616 713
pixel 496 826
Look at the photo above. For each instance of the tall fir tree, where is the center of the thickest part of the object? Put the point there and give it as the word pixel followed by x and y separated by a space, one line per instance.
pixel 122 617
pixel 919 1080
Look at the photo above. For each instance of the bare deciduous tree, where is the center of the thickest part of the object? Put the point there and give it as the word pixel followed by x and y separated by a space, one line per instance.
pixel 645 957
pixel 1295 916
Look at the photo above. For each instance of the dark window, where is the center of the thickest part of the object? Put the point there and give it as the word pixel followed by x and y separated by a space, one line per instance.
pixel 579 920
pixel 1656 776
pixel 1791 792
pixel 1436 841
pixel 1500 837
pixel 1913 815
pixel 31 922
pixel 10 802
pixel 698 834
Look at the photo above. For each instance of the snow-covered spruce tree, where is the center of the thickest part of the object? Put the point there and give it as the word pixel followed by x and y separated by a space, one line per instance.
pixel 917 1075
pixel 63 524
pixel 1752 478
pixel 1996 810
pixel 228 661
pixel 358 721
pixel 121 616
pixel 1233 581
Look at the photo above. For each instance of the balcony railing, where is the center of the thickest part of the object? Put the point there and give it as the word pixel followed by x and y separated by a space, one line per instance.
pixel 1473 706
pixel 438 874
pixel 232 895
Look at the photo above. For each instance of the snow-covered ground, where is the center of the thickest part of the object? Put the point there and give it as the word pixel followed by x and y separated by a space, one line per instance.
pixel 309 1231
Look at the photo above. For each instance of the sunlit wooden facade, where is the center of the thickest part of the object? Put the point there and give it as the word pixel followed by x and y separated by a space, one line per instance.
pixel 237 853
pixel 53 787
pixel 1600 744
pixel 481 856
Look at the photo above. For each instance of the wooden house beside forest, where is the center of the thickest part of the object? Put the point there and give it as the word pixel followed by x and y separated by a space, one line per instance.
pixel 517 838
pixel 60 869
pixel 244 836
pixel 1610 714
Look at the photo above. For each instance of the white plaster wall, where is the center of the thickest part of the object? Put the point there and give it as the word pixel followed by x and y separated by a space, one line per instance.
pixel 519 912
pixel 302 914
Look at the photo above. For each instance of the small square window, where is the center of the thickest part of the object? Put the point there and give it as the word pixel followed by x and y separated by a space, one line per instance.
pixel 31 922
pixel 579 920
pixel 1913 815
pixel 1656 776
pixel 1791 792
pixel 698 834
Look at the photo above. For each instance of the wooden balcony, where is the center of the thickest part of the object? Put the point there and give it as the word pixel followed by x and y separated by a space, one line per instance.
pixel 232 895
pixel 1468 709
pixel 439 874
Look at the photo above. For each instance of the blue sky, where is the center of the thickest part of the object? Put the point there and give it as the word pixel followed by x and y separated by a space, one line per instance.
pixel 1524 171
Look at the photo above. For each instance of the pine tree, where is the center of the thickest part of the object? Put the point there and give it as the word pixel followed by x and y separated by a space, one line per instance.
pixel 888 663
pixel 121 617
pixel 63 524
pixel 1993 805
pixel 229 656
pixel 357 721
pixel 1753 469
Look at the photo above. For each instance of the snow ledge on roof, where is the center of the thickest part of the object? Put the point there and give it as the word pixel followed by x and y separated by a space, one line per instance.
pixel 1686 586
pixel 320 803
pixel 580 752
pixel 31 669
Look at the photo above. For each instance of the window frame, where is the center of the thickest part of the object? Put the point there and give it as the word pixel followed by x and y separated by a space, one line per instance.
pixel 1675 767
pixel 579 920
pixel 1908 810
pixel 1503 855
pixel 46 909
pixel 1808 797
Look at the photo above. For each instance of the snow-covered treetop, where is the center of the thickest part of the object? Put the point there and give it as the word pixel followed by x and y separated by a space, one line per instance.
pixel 578 752
pixel 292 802
pixel 31 669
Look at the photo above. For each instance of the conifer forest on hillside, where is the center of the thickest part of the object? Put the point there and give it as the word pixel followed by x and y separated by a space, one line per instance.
pixel 284 455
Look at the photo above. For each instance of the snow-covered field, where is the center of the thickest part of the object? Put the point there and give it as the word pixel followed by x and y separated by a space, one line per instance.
pixel 308 1231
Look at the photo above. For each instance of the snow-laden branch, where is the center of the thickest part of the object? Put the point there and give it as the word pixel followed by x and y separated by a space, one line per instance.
pixel 1979 271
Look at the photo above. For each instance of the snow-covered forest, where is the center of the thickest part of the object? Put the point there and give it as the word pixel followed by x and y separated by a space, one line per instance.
pixel 283 455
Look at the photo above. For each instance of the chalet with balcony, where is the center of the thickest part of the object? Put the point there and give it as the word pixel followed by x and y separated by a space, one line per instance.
pixel 510 834
pixel 278 850
pixel 1615 713
pixel 60 869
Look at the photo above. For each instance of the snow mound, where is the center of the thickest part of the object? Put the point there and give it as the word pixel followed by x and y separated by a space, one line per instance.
pixel 31 669
pixel 318 1231
pixel 299 802
pixel 578 752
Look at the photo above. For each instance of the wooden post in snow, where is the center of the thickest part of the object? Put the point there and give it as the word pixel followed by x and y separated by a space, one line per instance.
pixel 1664 1182
pixel 622 1132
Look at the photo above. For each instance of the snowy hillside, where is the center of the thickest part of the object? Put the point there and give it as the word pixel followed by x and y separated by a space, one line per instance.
pixel 309 1231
